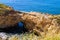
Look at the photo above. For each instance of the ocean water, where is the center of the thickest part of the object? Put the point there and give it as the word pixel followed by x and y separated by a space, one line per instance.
pixel 45 6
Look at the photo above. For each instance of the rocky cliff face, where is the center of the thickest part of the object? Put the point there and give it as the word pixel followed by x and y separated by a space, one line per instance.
pixel 8 17
pixel 33 22
pixel 41 23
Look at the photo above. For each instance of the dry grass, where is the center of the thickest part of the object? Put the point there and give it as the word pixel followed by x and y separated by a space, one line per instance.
pixel 52 34
pixel 31 36
pixel 26 36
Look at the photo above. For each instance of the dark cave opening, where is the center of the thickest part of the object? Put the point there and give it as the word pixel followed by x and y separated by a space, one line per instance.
pixel 18 28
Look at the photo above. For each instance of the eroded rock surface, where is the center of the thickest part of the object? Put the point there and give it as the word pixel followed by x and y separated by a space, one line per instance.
pixel 33 22
pixel 8 17
pixel 41 23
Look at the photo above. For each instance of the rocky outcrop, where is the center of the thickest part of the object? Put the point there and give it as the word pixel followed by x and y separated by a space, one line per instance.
pixel 41 23
pixel 8 17
pixel 33 21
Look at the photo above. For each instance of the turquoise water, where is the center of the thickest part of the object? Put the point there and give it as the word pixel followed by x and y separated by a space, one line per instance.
pixel 45 6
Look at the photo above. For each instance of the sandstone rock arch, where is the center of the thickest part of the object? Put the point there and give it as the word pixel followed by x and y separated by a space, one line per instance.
pixel 33 22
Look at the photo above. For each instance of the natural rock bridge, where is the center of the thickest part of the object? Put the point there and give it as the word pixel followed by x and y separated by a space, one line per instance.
pixel 33 22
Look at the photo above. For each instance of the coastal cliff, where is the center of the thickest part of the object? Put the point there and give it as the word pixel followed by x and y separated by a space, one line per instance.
pixel 37 23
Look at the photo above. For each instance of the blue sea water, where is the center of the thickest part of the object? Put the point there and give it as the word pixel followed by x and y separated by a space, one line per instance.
pixel 45 6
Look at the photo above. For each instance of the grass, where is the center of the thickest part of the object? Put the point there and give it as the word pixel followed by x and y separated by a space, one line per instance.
pixel 26 36
pixel 52 37
pixel 31 36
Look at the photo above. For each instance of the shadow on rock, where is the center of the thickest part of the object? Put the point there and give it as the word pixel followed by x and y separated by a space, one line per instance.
pixel 17 29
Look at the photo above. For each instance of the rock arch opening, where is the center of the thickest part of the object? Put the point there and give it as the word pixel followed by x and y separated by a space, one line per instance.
pixel 18 28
